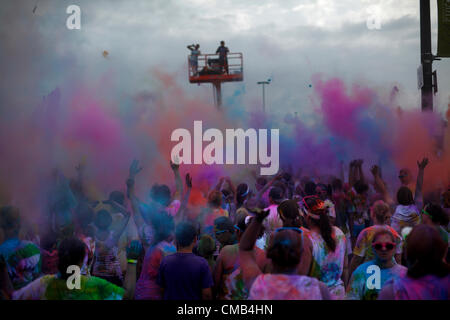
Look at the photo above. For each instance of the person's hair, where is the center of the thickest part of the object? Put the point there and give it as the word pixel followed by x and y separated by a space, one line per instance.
pixel 10 218
pixel 438 215
pixel 425 252
pixel 103 219
pixel 383 232
pixel 261 181
pixel 405 196
pixel 285 249
pixel 117 196
pixel 224 223
pixel 276 194
pixel 337 185
pixel 310 188
pixel 240 221
pixel 160 193
pixel 380 209
pixel 163 226
pixel 360 187
pixel 290 211
pixel 206 246
pixel 185 234
pixel 71 251
pixel 215 199
pixel 49 240
pixel 241 194
pixel 323 223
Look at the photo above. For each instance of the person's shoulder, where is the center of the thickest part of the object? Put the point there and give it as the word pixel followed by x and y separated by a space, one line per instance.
pixel 362 268
pixel 338 232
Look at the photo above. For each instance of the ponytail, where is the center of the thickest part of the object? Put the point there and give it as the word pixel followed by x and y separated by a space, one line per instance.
pixel 326 231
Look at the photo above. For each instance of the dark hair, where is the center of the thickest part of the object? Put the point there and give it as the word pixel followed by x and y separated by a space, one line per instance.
pixel 360 187
pixel 285 249
pixel 215 199
pixel 71 251
pixel 261 181
pixel 438 215
pixel 163 226
pixel 103 219
pixel 289 210
pixel 337 184
pixel 326 230
pixel 425 252
pixel 206 246
pixel 160 193
pixel 49 240
pixel 185 234
pixel 241 194
pixel 380 209
pixel 10 218
pixel 224 223
pixel 405 196
pixel 276 194
pixel 310 188
pixel 117 196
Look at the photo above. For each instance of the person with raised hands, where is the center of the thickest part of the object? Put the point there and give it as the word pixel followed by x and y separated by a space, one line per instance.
pixel 71 253
pixel 285 252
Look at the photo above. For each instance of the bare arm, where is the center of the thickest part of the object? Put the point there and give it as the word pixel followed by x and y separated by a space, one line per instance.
pixel 356 261
pixel 184 201
pixel 178 182
pixel 207 294
pixel 129 284
pixel 250 269
pixel 419 182
pixel 360 171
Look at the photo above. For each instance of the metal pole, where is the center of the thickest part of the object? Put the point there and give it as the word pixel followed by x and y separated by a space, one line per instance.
pixel 426 55
pixel 264 97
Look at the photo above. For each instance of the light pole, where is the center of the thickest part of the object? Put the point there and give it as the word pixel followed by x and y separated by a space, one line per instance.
pixel 264 92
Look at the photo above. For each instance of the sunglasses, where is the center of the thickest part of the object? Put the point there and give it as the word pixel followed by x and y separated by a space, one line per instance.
pixel 221 231
pixel 383 245
pixel 289 228
pixel 320 205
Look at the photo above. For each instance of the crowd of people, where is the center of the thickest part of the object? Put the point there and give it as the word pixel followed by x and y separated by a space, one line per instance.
pixel 282 238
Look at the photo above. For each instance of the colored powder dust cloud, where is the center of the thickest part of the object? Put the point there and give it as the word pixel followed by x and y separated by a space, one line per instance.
pixel 82 123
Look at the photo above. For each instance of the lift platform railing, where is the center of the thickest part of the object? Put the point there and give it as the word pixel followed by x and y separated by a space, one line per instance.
pixel 210 62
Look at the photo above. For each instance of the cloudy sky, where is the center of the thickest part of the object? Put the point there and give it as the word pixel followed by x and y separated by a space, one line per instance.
pixel 288 40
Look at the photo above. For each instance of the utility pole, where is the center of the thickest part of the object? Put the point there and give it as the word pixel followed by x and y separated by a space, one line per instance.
pixel 263 92
pixel 426 56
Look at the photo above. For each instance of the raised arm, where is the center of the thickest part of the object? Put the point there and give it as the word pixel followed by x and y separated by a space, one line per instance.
pixel 351 173
pixel 129 284
pixel 249 266
pixel 268 185
pixel 419 182
pixel 379 184
pixel 120 227
pixel 178 183
pixel 360 171
pixel 185 200
pixel 134 170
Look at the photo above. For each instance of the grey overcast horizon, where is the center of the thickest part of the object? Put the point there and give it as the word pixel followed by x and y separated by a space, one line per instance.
pixel 284 39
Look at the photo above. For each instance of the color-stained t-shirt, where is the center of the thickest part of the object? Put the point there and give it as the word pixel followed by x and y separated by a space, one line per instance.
pixel 50 287
pixel 285 287
pixel 429 287
pixel 363 246
pixel 146 286
pixel 183 276
pixel 107 262
pixel 328 266
pixel 358 288
pixel 23 260
pixel 405 216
